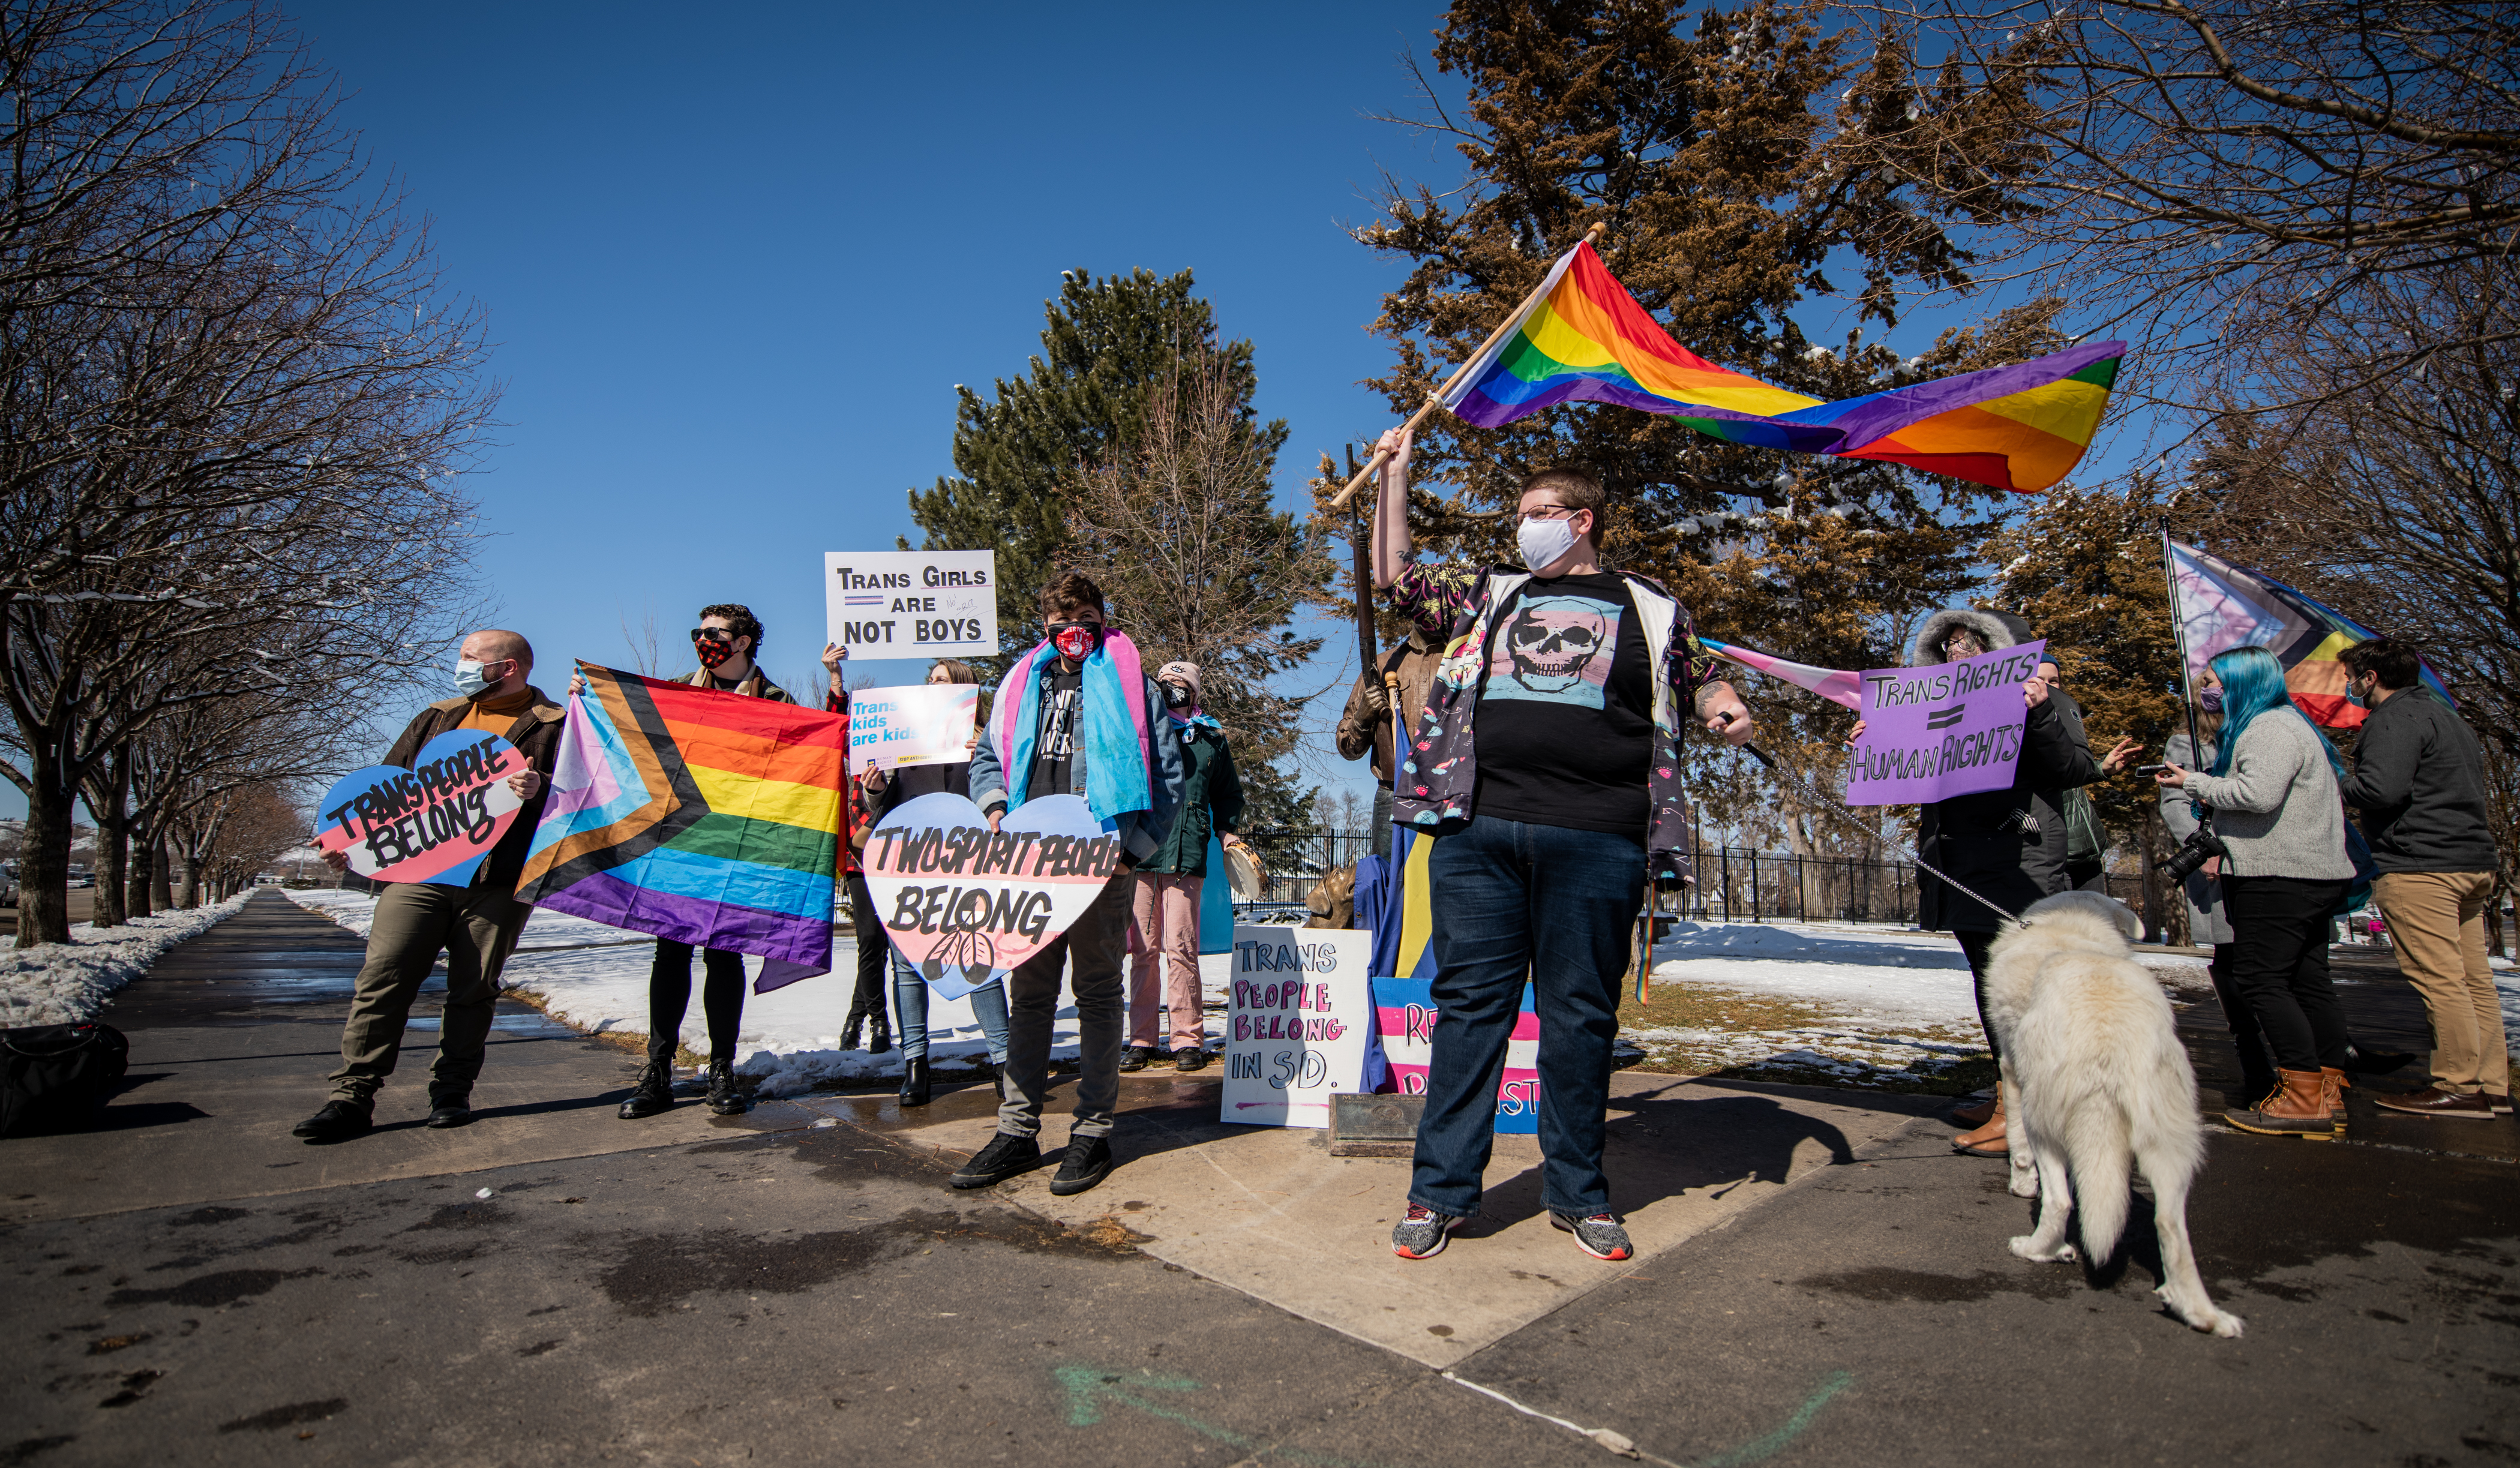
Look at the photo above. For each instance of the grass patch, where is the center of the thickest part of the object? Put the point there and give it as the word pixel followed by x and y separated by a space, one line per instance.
pixel 1698 1028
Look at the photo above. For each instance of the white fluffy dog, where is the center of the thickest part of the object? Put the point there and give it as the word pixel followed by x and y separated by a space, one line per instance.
pixel 2094 1080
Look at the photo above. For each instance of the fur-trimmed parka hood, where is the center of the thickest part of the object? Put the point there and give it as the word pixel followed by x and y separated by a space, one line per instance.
pixel 1991 627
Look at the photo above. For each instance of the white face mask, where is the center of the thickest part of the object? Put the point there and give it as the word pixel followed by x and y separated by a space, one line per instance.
pixel 1544 542
pixel 469 680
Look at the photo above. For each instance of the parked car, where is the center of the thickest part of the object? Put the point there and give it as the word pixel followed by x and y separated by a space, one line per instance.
pixel 82 878
pixel 7 889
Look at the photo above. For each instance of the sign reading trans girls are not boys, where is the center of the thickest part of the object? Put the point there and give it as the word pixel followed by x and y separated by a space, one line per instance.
pixel 912 604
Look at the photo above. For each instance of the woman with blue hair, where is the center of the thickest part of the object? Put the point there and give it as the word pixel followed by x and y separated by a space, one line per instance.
pixel 2276 804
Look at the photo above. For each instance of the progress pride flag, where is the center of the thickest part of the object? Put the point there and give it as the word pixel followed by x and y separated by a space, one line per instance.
pixel 1953 729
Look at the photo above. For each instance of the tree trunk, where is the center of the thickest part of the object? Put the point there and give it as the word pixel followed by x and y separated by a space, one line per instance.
pixel 44 861
pixel 112 839
pixel 141 875
pixel 161 888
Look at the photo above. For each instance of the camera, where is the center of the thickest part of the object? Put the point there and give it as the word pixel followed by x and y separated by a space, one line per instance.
pixel 2200 847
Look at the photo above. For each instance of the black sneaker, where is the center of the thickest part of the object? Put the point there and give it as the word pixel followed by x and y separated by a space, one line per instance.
pixel 1601 1235
pixel 1189 1057
pixel 1004 1157
pixel 451 1111
pixel 1087 1163
pixel 1423 1232
pixel 1138 1056
pixel 338 1120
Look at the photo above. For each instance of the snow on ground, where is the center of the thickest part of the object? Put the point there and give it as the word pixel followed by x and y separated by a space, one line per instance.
pixel 594 978
pixel 62 983
pixel 1852 1004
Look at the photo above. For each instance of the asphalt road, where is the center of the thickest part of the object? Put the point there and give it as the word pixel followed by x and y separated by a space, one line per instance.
pixel 717 1290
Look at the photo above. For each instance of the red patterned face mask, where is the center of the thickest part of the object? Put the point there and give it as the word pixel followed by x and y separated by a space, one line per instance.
pixel 713 651
pixel 1075 640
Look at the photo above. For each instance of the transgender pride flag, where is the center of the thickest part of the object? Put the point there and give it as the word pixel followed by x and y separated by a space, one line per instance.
pixel 1832 683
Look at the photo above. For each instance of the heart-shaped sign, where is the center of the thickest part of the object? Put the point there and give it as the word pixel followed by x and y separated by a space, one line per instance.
pixel 965 904
pixel 432 822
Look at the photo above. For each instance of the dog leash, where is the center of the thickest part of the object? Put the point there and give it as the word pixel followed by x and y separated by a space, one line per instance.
pixel 1836 806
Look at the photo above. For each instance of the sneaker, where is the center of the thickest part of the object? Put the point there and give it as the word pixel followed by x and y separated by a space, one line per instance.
pixel 1423 1232
pixel 1189 1057
pixel 1087 1163
pixel 1003 1157
pixel 1601 1235
pixel 2501 1104
pixel 338 1120
pixel 1138 1057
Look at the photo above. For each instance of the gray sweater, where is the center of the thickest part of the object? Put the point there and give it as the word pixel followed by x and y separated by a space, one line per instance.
pixel 2419 781
pixel 2278 810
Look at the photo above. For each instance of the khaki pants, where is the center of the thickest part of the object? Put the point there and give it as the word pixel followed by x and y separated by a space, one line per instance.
pixel 1165 910
pixel 2437 921
pixel 415 922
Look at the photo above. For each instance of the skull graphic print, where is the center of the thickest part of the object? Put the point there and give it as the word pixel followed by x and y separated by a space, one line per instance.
pixel 1556 650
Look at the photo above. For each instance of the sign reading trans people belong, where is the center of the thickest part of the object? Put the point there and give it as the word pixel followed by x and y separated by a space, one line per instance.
pixel 912 604
pixel 1949 729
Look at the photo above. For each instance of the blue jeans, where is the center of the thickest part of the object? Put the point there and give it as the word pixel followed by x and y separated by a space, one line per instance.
pixel 910 1007
pixel 1558 906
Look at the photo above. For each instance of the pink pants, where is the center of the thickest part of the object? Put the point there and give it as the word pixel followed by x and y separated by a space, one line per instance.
pixel 1164 910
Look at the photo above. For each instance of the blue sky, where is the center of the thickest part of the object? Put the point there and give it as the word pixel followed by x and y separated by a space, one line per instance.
pixel 735 263
pixel 734 267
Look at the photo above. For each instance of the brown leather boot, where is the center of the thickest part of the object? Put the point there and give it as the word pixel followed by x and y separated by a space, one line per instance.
pixel 1987 1140
pixel 2332 1083
pixel 1975 1113
pixel 2296 1108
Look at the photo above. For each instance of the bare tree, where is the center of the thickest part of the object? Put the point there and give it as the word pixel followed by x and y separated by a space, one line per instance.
pixel 2210 175
pixel 236 420
pixel 1178 529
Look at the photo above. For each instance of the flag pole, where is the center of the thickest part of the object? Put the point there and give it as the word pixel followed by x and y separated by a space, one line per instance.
pixel 1592 235
pixel 2186 675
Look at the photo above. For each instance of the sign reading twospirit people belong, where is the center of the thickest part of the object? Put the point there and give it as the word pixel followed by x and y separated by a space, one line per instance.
pixel 913 603
pixel 923 724
pixel 432 822
pixel 1951 729
pixel 965 904
pixel 1296 1024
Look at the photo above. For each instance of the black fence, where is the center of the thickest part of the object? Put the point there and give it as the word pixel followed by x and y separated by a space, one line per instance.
pixel 1734 885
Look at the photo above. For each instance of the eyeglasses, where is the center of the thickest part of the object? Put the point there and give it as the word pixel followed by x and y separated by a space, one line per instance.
pixel 1540 512
pixel 712 634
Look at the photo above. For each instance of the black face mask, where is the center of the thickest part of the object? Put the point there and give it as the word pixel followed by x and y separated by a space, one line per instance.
pixel 1176 696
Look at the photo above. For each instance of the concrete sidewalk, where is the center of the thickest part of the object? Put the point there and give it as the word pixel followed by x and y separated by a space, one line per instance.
pixel 195 1286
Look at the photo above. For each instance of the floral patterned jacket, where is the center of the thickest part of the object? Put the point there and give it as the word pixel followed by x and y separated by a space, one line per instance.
pixel 1457 604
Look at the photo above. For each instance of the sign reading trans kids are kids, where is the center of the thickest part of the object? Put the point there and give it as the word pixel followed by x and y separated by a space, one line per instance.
pixel 1296 1023
pixel 913 603
pixel 1944 729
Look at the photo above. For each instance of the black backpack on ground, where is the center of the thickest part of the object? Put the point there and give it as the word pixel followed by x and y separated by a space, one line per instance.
pixel 55 1078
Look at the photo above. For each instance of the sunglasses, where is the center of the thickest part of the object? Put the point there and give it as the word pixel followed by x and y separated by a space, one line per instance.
pixel 711 634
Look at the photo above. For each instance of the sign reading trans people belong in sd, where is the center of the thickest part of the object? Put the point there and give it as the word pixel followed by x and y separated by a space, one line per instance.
pixel 912 604
pixel 1951 729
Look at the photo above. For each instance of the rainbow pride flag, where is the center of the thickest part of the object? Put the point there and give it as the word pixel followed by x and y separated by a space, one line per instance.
pixel 2019 427
pixel 711 819
pixel 1835 685
pixel 2222 606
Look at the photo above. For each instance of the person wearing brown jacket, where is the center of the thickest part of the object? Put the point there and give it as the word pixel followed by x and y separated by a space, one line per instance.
pixel 1364 725
pixel 476 926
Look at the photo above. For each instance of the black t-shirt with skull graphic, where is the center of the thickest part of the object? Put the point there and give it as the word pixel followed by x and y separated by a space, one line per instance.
pixel 1565 722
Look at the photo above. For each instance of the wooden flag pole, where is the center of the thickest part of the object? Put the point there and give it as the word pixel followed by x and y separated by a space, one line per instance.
pixel 1593 237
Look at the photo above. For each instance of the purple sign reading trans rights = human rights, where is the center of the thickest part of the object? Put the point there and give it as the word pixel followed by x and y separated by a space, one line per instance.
pixel 1951 728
